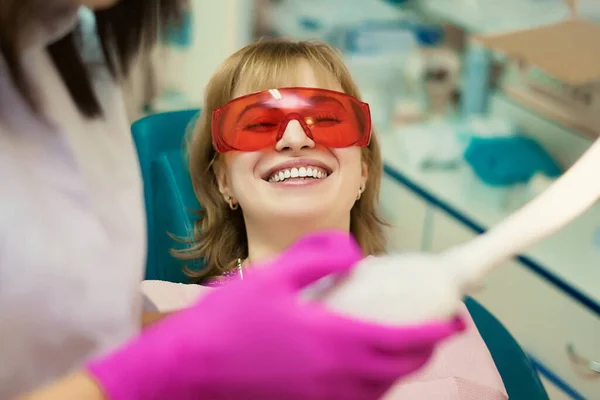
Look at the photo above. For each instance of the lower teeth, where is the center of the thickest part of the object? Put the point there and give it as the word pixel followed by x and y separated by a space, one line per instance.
pixel 295 179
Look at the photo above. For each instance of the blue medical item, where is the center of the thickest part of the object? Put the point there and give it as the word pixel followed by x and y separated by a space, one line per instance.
pixel 310 24
pixel 502 161
pixel 180 35
pixel 396 2
pixel 475 81
pixel 429 35
pixel 374 37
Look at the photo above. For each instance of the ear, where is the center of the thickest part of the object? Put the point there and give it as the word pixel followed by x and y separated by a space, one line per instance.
pixel 222 179
pixel 364 175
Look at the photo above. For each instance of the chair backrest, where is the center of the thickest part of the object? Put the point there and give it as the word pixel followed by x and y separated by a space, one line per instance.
pixel 168 192
pixel 518 373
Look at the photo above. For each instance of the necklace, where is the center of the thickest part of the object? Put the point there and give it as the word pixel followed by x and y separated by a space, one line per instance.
pixel 240 268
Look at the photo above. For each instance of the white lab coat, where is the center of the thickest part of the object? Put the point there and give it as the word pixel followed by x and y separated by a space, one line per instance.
pixel 72 226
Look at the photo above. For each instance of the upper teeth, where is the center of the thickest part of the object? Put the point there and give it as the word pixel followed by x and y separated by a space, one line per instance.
pixel 302 172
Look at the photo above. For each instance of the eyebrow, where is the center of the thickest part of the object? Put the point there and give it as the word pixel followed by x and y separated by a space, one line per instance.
pixel 260 104
pixel 313 99
pixel 326 99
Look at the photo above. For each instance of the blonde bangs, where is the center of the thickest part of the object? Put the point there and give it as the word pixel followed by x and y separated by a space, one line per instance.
pixel 271 67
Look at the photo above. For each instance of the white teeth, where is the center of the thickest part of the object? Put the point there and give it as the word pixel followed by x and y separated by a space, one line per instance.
pixel 302 172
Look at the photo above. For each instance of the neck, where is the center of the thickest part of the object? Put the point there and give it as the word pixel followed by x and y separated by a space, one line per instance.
pixel 267 240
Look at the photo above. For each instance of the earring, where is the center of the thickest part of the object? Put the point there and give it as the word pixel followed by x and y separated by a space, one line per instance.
pixel 360 191
pixel 232 205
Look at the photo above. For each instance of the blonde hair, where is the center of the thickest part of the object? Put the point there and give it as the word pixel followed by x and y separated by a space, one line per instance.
pixel 219 233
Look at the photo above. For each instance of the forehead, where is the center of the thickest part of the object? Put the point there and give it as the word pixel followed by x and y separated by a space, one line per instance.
pixel 301 72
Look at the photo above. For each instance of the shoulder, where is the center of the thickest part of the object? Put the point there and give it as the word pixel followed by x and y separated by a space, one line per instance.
pixel 168 296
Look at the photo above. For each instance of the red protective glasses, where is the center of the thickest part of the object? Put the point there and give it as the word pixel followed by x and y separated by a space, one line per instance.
pixel 258 121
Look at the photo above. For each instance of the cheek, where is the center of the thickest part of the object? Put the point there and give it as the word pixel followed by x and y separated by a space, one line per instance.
pixel 350 168
pixel 350 161
pixel 241 167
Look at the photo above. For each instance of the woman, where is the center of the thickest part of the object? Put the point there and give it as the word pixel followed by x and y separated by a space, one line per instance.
pixel 271 165
pixel 72 246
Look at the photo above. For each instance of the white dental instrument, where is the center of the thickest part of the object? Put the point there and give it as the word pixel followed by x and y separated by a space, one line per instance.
pixel 412 288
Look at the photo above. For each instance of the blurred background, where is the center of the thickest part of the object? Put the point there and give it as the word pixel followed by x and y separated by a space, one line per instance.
pixel 480 105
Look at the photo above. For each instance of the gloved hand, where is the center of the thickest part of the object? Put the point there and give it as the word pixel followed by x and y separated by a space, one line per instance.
pixel 258 339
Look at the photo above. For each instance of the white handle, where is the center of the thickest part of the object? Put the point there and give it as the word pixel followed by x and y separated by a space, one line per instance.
pixel 571 195
pixel 412 288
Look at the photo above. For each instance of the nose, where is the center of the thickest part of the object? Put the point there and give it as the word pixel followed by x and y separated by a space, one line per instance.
pixel 294 138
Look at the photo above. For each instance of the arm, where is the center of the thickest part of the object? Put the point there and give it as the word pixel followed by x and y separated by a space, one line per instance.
pixel 148 318
pixel 76 386
pixel 80 385
pixel 163 298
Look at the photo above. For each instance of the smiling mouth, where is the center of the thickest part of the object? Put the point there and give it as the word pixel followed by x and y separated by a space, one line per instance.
pixel 298 174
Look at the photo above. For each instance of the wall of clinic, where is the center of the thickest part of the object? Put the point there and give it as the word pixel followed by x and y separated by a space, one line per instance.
pixel 174 74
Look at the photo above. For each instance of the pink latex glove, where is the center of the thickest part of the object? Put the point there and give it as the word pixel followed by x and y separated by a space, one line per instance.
pixel 256 339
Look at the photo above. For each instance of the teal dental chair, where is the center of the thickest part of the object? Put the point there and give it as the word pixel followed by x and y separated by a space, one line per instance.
pixel 520 378
pixel 169 197
pixel 168 192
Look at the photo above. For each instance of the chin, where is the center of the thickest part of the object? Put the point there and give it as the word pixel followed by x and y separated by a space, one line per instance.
pixel 308 212
pixel 303 214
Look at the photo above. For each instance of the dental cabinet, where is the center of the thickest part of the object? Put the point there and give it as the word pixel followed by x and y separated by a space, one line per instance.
pixel 549 298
